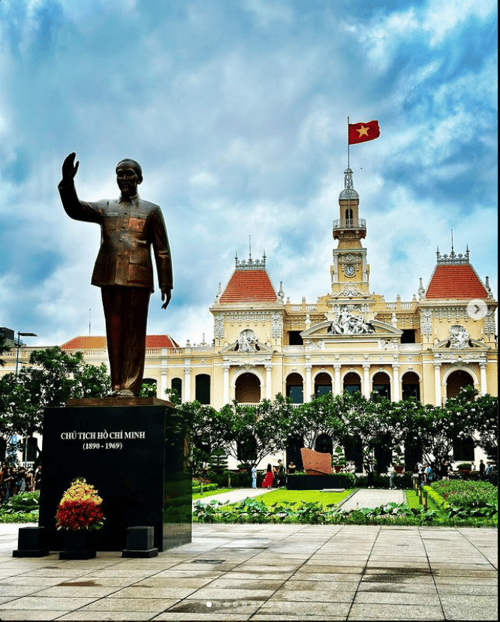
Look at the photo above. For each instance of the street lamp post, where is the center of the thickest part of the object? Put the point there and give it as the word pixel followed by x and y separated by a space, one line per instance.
pixel 19 335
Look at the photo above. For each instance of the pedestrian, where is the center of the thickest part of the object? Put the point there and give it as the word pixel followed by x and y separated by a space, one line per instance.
pixel 268 478
pixel 280 480
pixel 429 474
pixel 392 471
pixel 482 469
pixel 369 473
pixel 254 476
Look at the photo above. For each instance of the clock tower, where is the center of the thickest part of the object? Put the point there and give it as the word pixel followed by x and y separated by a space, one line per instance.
pixel 350 271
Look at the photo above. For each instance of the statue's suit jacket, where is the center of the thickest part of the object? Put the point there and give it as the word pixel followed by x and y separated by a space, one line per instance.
pixel 128 229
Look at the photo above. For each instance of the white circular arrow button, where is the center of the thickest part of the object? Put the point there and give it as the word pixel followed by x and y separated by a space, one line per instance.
pixel 477 309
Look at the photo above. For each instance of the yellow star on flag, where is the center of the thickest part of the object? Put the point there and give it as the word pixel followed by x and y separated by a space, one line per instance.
pixel 363 131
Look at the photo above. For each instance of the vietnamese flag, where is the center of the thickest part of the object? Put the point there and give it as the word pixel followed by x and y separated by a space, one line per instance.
pixel 361 132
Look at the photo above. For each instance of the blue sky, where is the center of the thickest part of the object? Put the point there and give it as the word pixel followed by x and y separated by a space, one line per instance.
pixel 237 112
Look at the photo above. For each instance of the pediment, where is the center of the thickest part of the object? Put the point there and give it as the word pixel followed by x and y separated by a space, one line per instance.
pixel 459 339
pixel 247 344
pixel 472 344
pixel 372 330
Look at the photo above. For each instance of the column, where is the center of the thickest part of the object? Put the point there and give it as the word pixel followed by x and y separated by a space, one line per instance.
pixel 366 380
pixel 337 389
pixel 308 387
pixel 437 383
pixel 163 382
pixel 269 388
pixel 395 393
pixel 186 392
pixel 484 384
pixel 225 395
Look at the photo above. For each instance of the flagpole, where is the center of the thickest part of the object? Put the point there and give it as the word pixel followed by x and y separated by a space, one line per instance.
pixel 347 142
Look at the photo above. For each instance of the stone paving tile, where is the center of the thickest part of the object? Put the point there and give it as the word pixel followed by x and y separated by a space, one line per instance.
pixel 398 587
pixel 222 606
pixel 118 616
pixel 230 583
pixel 37 582
pixel 301 609
pixel 320 595
pixel 395 612
pixel 154 605
pixel 397 598
pixel 384 577
pixel 328 577
pixel 467 588
pixel 456 612
pixel 28 615
pixel 174 615
pixel 220 594
pixel 153 592
pixel 317 568
pixel 52 604
pixel 171 582
pixel 18 590
pixel 79 591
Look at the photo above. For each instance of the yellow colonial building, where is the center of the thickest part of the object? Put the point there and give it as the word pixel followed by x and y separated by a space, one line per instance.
pixel 350 339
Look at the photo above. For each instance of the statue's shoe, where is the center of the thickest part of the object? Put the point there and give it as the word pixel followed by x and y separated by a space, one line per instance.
pixel 125 393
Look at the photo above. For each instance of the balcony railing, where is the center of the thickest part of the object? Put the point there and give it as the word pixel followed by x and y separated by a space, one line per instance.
pixel 349 223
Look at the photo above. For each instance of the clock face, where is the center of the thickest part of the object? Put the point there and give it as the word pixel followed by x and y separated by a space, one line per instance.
pixel 350 270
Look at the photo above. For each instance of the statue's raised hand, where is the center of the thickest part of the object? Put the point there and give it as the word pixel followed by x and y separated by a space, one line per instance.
pixel 70 167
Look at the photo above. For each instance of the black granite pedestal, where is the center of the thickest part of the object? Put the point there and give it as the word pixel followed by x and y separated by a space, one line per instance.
pixel 135 453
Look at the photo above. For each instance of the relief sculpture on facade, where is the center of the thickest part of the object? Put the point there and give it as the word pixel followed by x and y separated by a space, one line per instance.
pixel 348 324
pixel 459 337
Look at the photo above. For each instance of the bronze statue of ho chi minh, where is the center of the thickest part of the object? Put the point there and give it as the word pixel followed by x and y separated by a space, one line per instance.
pixel 123 269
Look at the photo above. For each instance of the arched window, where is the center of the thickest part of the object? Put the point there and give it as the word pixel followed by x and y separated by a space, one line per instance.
pixel 322 384
pixel 411 385
pixel 352 383
pixel 381 383
pixel 177 385
pixel 247 389
pixel 149 387
pixel 295 388
pixel 353 450
pixel 202 388
pixel 324 444
pixel 458 380
pixel 348 216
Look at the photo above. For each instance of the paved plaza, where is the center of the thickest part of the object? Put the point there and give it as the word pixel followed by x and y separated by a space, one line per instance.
pixel 267 572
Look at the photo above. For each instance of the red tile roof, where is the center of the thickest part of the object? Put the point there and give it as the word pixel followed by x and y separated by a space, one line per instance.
pixel 99 343
pixel 249 286
pixel 459 281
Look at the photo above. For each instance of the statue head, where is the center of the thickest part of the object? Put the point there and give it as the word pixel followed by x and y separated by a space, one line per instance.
pixel 128 176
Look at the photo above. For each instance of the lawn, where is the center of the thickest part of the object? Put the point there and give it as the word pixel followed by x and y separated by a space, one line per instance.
pixel 210 493
pixel 296 496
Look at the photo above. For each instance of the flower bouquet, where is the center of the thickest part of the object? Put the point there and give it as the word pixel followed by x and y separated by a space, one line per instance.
pixel 80 508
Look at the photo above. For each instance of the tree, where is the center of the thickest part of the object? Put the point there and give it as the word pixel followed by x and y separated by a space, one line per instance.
pixel 259 425
pixel 3 348
pixel 52 377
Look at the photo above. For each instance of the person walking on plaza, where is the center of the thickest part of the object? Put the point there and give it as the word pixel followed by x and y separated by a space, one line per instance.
pixel 280 476
pixel 254 476
pixel 429 474
pixel 482 469
pixel 369 473
pixel 392 471
pixel 269 477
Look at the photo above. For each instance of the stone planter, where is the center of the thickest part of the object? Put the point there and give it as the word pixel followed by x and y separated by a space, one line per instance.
pixel 78 545
pixel 338 467
pixel 399 469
